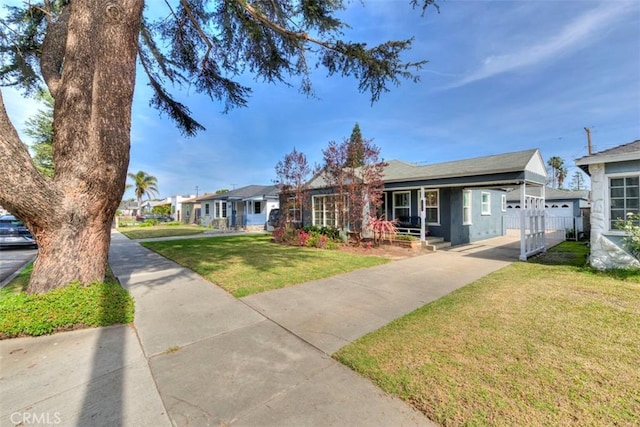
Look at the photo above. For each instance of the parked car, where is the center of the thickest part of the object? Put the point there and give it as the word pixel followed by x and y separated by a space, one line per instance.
pixel 275 220
pixel 13 233
pixel 158 217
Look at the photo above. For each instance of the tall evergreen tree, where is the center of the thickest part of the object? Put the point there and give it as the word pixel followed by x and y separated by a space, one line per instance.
pixel 87 52
pixel 577 181
pixel 355 149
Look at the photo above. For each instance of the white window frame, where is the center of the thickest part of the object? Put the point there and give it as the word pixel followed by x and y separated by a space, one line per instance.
pixel 467 207
pixel 608 178
pixel 393 197
pixel 485 207
pixel 315 221
pixel 503 202
pixel 206 209
pixel 436 206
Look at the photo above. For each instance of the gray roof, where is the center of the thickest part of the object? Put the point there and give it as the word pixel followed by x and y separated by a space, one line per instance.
pixel 629 151
pixel 399 171
pixel 550 194
pixel 499 163
pixel 248 192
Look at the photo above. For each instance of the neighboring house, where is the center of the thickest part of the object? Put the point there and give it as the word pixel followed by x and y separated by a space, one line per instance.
pixel 176 205
pixel 463 201
pixel 191 209
pixel 615 188
pixel 128 208
pixel 565 209
pixel 243 208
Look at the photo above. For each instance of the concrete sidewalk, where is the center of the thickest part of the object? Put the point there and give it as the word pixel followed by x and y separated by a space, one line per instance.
pixel 197 356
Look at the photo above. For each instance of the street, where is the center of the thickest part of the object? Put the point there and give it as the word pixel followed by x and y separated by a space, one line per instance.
pixel 11 259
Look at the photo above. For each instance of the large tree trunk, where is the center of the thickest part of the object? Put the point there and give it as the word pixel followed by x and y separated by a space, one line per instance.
pixel 71 215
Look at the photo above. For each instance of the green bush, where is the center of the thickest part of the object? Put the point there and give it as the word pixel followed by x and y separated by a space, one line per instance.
pixel 330 232
pixel 69 307
pixel 631 226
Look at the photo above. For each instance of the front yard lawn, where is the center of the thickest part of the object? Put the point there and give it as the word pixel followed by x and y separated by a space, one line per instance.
pixel 534 343
pixel 161 230
pixel 248 264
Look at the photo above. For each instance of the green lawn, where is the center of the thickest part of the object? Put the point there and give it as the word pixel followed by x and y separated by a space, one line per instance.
pixel 534 343
pixel 161 230
pixel 248 264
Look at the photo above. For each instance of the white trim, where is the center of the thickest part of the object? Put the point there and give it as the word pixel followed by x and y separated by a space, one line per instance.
pixel 469 207
pixel 604 158
pixel 437 206
pixel 393 198
pixel 607 199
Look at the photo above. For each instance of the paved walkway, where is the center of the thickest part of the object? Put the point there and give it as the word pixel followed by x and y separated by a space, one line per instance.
pixel 197 356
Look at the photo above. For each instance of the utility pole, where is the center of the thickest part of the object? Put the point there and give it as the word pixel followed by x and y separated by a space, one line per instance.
pixel 197 190
pixel 589 148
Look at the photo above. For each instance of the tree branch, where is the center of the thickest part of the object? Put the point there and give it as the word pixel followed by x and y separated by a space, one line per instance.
pixel 36 195
pixel 53 50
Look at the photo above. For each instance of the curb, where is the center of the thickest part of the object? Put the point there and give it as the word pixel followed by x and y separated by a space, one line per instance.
pixel 6 281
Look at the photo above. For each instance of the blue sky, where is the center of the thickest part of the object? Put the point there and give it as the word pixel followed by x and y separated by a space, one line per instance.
pixel 502 76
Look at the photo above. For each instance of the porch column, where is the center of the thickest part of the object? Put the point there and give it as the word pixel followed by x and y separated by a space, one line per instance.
pixel 523 241
pixel 423 215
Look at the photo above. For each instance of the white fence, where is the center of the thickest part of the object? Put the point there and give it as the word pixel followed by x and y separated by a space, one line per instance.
pixel 572 226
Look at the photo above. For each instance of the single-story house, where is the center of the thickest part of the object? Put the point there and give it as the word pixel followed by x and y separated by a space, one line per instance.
pixel 460 201
pixel 245 208
pixel 128 208
pixel 615 193
pixel 191 209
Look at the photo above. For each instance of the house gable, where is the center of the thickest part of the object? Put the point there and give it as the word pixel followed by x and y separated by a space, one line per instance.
pixel 613 171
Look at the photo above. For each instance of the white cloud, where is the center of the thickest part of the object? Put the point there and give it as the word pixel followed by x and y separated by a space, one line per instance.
pixel 577 34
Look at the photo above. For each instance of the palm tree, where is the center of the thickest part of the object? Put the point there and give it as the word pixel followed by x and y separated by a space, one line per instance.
pixel 555 163
pixel 143 183
pixel 562 175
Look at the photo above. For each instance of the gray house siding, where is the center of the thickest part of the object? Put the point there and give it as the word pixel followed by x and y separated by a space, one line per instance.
pixel 451 226
pixel 482 226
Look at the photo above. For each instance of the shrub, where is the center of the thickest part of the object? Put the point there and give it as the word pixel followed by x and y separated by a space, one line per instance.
pixel 311 237
pixel 631 226
pixel 303 237
pixel 331 232
pixel 383 229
